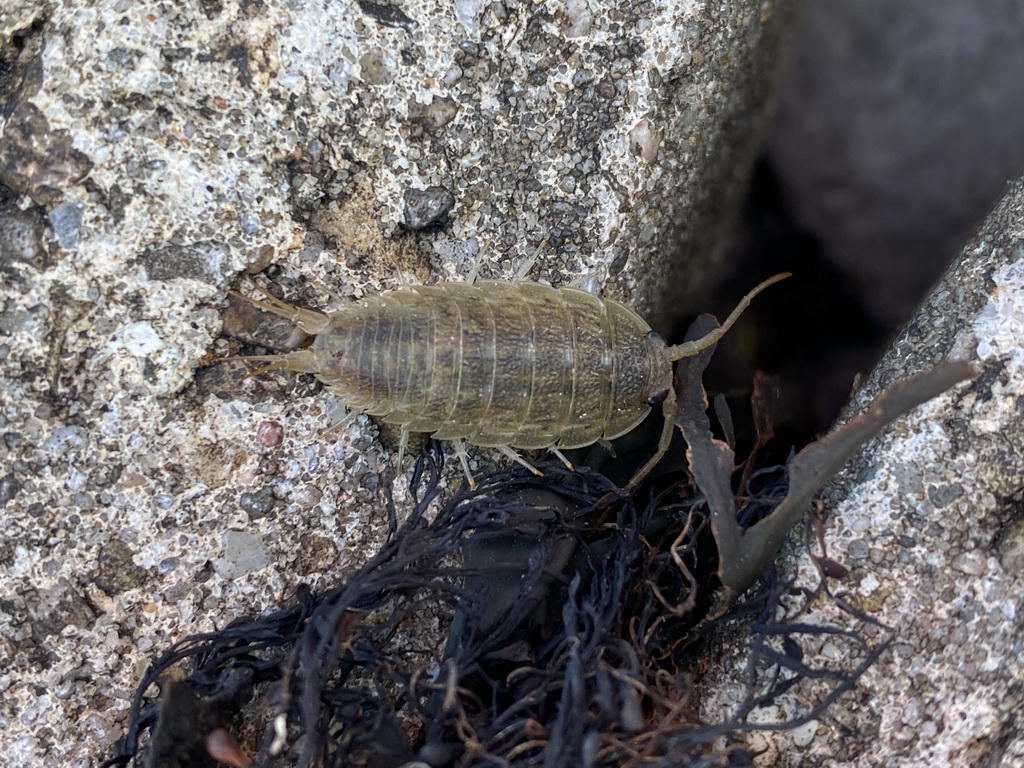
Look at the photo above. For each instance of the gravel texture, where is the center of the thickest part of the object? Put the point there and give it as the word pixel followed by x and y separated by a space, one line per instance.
pixel 152 151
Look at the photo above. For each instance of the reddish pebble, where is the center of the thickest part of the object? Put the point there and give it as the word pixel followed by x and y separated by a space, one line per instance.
pixel 223 748
pixel 269 434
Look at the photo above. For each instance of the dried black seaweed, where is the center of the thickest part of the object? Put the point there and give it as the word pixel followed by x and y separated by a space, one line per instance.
pixel 579 612
pixel 569 645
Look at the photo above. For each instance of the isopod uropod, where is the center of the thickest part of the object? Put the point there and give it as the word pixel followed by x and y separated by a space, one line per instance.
pixel 499 364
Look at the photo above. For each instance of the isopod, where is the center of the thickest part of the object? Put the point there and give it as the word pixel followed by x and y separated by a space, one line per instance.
pixel 499 364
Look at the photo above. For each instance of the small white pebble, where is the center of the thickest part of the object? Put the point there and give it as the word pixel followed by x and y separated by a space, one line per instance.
pixel 141 340
pixel 803 735
pixel 972 563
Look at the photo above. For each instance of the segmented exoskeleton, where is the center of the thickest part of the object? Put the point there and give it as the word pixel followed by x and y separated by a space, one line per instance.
pixel 498 364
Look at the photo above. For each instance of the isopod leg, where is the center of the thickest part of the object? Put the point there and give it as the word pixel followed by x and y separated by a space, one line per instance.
pixel 338 426
pixel 519 459
pixel 668 410
pixel 403 442
pixel 460 451
pixel 561 458
pixel 402 282
pixel 474 271
pixel 524 269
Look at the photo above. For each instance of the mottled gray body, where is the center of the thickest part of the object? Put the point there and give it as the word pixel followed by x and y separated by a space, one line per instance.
pixel 498 364
pixel 515 364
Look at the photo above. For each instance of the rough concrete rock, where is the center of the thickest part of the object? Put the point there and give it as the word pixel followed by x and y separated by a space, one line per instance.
pixel 928 521
pixel 158 149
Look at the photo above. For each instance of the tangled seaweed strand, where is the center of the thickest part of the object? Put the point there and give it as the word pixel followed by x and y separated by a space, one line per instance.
pixel 571 643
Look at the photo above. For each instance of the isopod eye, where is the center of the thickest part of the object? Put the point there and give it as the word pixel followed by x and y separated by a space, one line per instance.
pixel 657 399
pixel 657 337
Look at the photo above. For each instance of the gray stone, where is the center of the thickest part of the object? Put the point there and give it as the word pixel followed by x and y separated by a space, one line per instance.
pixel 21 237
pixel 244 553
pixel 116 571
pixel 66 221
pixel 9 487
pixel 424 207
pixel 36 159
pixel 955 598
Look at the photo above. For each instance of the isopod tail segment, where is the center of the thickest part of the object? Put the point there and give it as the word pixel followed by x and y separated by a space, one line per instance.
pixel 459 446
pixel 308 320
pixel 688 349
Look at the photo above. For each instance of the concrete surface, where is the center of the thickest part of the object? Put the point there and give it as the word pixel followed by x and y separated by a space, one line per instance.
pixel 152 151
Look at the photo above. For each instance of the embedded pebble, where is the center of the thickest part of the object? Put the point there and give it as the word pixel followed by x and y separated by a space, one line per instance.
pixel 944 495
pixel 424 207
pixel 9 487
pixel 387 15
pixel 205 260
pixel 804 734
pixel 163 501
pixel 66 221
pixel 858 548
pixel 257 503
pixel 31 321
pixel 1010 547
pixel 645 140
pixel 63 439
pixel 116 571
pixel 972 563
pixel 141 339
pixel 377 67
pixel 308 496
pixel 21 235
pixel 269 434
pixel 244 553
pixel 434 116
pixel 38 161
